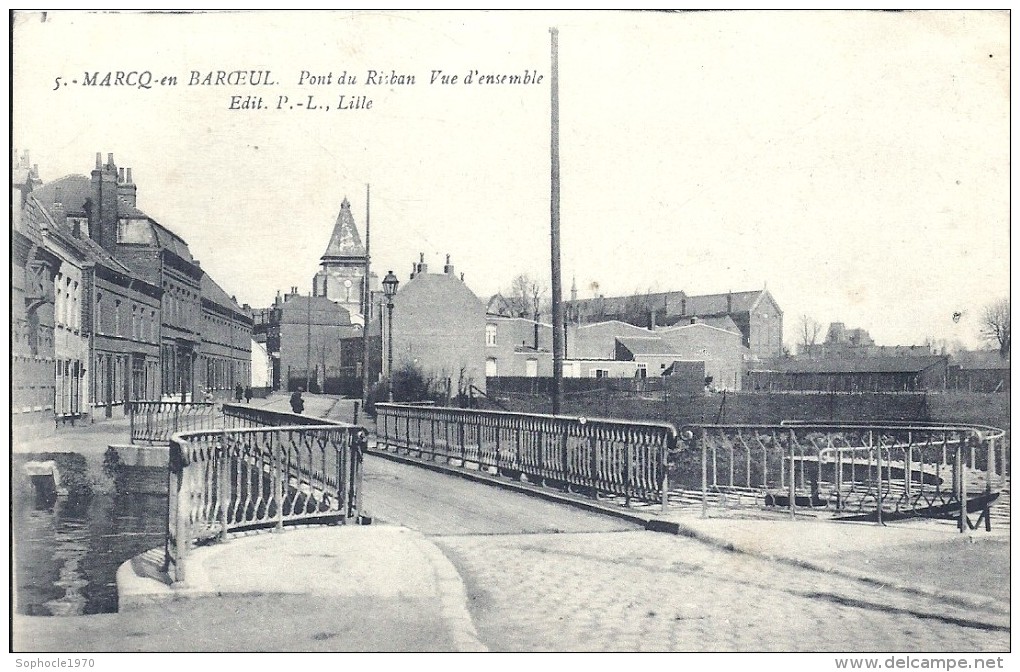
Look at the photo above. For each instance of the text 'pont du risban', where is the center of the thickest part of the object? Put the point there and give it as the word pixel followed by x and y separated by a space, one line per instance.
pixel 371 78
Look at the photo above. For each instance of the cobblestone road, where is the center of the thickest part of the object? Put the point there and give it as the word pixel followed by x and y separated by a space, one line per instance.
pixel 642 591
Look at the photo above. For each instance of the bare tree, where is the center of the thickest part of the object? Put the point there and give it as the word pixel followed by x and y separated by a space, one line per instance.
pixel 638 308
pixel 526 296
pixel 995 325
pixel 809 330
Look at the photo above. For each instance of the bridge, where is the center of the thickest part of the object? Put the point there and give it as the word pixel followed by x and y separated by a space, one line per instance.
pixel 453 474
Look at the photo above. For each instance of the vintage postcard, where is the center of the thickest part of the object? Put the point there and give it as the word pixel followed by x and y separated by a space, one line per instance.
pixel 511 331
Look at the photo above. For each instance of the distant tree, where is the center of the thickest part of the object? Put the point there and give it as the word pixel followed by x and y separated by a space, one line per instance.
pixel 809 330
pixel 637 309
pixel 526 296
pixel 995 327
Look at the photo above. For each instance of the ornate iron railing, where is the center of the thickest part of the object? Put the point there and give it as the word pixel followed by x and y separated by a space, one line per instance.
pixel 238 416
pixel 236 479
pixel 590 455
pixel 157 421
pixel 854 471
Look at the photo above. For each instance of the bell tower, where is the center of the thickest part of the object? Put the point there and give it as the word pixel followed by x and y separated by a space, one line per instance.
pixel 341 275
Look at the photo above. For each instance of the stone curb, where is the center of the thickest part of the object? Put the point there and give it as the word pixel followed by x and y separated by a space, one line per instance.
pixel 655 524
pixel 135 590
pixel 453 599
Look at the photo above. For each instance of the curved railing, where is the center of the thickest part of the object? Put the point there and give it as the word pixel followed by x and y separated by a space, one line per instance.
pixel 236 479
pixel 857 471
pixel 592 455
pixel 156 421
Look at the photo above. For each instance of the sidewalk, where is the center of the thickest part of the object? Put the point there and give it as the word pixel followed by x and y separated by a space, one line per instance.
pixel 348 588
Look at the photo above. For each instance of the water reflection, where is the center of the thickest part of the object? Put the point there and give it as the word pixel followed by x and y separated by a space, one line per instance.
pixel 67 550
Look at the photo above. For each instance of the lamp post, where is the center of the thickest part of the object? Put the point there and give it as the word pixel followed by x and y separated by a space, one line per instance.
pixel 389 284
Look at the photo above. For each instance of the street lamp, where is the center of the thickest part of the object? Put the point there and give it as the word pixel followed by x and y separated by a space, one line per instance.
pixel 389 284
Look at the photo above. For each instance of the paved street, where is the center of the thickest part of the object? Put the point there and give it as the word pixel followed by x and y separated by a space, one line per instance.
pixel 542 577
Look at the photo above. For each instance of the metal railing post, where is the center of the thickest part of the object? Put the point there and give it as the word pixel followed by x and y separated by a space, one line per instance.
pixel 278 485
pixel 988 484
pixel 629 466
pixel 357 454
pixel 704 472
pixel 223 487
pixel 878 462
pixel 961 486
pixel 793 478
pixel 664 473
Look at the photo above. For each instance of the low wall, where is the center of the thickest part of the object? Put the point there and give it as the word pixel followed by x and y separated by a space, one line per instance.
pixel 139 469
pixel 774 407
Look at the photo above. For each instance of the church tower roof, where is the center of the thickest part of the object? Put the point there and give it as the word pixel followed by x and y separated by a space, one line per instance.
pixel 345 243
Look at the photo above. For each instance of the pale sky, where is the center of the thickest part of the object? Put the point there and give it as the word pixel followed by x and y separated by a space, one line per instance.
pixel 856 162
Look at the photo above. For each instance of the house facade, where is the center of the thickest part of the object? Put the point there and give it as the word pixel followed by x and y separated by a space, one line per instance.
pixel 439 325
pixel 145 301
pixel 519 347
pixel 33 271
pixel 312 332
pixel 755 314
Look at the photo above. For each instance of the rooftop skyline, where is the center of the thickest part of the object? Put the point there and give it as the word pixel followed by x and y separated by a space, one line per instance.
pixel 855 163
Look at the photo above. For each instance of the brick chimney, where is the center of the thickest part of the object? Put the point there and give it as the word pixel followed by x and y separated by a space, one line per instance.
pixel 448 268
pixel 422 267
pixel 127 189
pixel 103 211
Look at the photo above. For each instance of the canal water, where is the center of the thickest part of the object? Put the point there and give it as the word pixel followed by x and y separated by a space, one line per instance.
pixel 67 550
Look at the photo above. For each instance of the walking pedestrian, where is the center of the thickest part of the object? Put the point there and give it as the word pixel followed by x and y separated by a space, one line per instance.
pixel 238 392
pixel 247 394
pixel 297 404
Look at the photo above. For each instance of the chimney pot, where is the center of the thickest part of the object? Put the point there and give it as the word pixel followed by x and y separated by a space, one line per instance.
pixel 120 175
pixel 109 159
pixel 99 159
pixel 129 176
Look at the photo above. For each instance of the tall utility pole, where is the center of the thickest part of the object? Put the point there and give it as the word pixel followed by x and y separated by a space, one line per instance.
pixel 308 348
pixel 367 305
pixel 554 211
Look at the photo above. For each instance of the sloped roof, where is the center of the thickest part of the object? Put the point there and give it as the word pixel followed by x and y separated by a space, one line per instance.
pixel 87 247
pixel 70 190
pixel 213 292
pixel 724 322
pixel 861 365
pixel 980 359
pixel 168 240
pixel 716 304
pixel 345 241
pixel 645 345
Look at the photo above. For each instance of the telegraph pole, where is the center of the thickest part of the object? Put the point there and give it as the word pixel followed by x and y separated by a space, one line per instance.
pixel 308 348
pixel 367 298
pixel 554 211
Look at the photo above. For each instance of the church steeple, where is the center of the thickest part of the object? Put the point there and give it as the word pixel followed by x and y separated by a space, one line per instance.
pixel 345 243
pixel 341 277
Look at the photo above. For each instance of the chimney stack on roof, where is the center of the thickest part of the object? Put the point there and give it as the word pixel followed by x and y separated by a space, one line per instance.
pixel 103 213
pixel 448 268
pixel 126 189
pixel 421 267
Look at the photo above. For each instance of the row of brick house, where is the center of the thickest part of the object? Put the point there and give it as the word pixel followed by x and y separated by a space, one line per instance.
pixel 108 305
